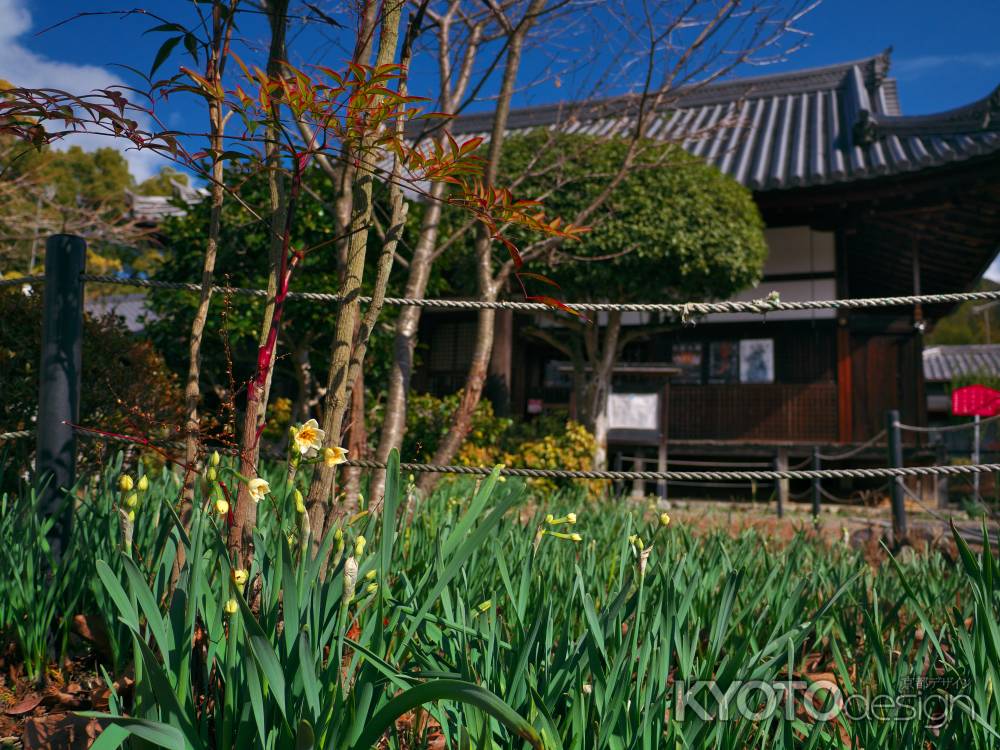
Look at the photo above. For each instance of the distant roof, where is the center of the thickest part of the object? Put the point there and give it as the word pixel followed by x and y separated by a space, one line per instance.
pixel 153 209
pixel 943 363
pixel 820 126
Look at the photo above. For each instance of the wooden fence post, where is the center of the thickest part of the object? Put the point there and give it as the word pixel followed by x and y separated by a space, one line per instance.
pixel 59 382
pixel 817 484
pixel 899 533
pixel 781 464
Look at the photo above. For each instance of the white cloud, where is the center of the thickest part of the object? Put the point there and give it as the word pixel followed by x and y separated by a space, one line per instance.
pixel 25 68
pixel 911 67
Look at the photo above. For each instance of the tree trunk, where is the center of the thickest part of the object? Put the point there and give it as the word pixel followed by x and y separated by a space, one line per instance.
pixel 342 354
pixel 405 342
pixel 259 389
pixel 357 440
pixel 488 286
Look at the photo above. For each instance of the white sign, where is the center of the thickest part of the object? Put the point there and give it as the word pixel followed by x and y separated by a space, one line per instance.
pixel 634 411
pixel 757 361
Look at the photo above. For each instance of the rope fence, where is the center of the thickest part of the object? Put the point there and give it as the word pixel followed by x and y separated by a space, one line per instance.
pixel 948 428
pixel 853 451
pixel 749 476
pixel 685 310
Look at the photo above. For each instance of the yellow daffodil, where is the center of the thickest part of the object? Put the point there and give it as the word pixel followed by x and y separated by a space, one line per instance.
pixel 664 519
pixel 132 500
pixel 143 483
pixel 258 488
pixel 216 458
pixel 239 577
pixel 372 588
pixel 571 518
pixel 308 438
pixel 125 483
pixel 334 456
pixel 222 506
pixel 231 607
pixel 359 546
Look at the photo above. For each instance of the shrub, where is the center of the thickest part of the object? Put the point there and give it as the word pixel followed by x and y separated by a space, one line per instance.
pixel 126 387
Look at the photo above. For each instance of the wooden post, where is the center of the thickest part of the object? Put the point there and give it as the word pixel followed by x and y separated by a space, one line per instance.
pixel 941 486
pixel 781 464
pixel 59 382
pixel 899 533
pixel 661 448
pixel 817 496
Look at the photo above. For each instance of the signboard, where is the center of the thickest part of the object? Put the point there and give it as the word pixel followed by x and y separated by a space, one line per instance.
pixel 757 361
pixel 634 411
pixel 687 358
pixel 975 401
pixel 723 362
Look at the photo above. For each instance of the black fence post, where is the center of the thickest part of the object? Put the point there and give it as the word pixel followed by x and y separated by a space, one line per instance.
pixel 817 484
pixel 895 440
pixel 59 382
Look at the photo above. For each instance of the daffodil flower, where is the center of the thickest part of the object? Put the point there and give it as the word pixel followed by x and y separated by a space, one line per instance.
pixel 258 488
pixel 664 519
pixel 222 506
pixel 308 438
pixel 231 607
pixel 125 483
pixel 334 456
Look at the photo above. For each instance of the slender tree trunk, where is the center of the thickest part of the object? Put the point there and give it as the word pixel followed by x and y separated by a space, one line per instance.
pixel 405 341
pixel 348 315
pixel 357 439
pixel 488 286
pixel 259 388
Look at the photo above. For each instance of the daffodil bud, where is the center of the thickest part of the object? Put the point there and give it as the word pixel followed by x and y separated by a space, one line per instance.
pixel 664 519
pixel 575 538
pixel 550 518
pixel 239 578
pixel 371 588
pixel 359 546
pixel 222 506
pixel 211 475
pixel 350 578
pixel 215 459
pixel 485 606
pixel 131 516
pixel 132 500
pixel 231 607
pixel 125 483
pixel 300 502
pixel 370 575
pixel 571 518
pixel 143 483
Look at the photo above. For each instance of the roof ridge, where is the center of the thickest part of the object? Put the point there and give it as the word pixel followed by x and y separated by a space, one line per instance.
pixel 875 70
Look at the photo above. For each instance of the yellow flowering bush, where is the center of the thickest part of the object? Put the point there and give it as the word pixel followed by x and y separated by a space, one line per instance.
pixel 571 449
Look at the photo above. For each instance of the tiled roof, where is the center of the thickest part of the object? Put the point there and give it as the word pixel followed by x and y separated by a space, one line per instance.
pixel 153 209
pixel 943 363
pixel 812 127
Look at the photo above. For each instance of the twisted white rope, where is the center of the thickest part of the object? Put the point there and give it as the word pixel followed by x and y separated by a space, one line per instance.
pixel 683 310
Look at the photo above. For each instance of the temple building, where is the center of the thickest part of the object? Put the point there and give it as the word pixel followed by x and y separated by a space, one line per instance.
pixel 859 200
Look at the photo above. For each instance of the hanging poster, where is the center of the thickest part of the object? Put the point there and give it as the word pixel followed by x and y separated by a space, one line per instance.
pixel 757 361
pixel 687 358
pixel 723 362
pixel 634 411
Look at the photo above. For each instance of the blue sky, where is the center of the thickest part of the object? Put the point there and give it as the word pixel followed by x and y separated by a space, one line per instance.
pixel 944 54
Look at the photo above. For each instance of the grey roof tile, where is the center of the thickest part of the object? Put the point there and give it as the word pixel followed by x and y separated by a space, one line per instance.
pixel 813 127
pixel 943 363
